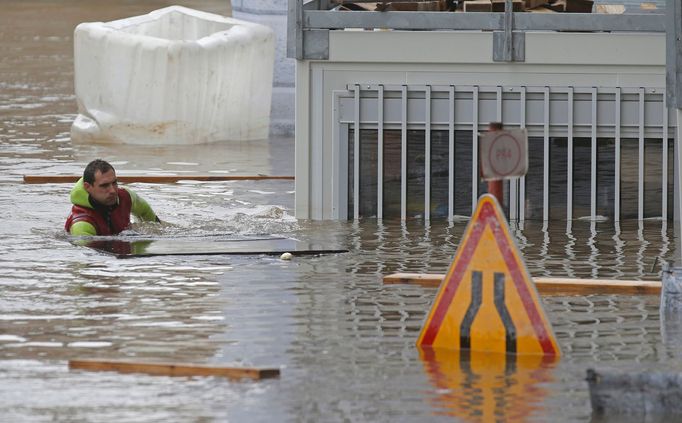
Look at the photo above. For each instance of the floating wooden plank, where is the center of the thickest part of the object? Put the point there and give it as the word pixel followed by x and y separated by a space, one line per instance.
pixel 154 179
pixel 123 248
pixel 547 286
pixel 173 369
pixel 431 280
pixel 558 286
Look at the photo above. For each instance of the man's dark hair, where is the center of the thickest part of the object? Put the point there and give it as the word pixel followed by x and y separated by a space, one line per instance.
pixel 93 167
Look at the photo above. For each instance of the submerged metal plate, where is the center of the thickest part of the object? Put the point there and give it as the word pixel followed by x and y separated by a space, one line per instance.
pixel 177 247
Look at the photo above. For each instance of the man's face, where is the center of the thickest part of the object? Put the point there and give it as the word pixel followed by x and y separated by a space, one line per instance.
pixel 104 188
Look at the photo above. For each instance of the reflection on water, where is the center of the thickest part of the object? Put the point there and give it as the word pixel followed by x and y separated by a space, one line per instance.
pixel 630 250
pixel 487 386
pixel 345 342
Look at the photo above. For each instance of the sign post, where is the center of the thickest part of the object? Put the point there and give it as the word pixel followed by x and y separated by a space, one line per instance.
pixel 504 155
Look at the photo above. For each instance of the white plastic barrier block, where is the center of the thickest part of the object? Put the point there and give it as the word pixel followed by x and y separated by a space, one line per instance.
pixel 173 76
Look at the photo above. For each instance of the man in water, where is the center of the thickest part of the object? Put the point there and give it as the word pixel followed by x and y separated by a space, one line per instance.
pixel 100 207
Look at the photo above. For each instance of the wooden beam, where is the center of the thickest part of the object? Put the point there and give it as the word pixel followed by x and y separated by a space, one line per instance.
pixel 547 286
pixel 153 179
pixel 171 369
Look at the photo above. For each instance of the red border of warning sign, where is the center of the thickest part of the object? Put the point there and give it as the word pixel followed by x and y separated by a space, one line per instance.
pixel 487 215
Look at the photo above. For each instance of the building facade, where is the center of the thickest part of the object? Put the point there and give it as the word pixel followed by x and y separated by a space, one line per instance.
pixel 389 107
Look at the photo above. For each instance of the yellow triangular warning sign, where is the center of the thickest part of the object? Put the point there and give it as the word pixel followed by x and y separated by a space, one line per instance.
pixel 487 301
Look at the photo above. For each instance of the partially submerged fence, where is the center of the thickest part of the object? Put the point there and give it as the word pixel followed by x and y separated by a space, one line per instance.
pixel 606 151
pixel 370 147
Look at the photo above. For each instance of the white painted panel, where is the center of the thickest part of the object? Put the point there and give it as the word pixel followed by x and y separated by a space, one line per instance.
pixel 411 46
pixel 593 48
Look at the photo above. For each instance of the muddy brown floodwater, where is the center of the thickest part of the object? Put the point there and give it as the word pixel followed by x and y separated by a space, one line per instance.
pixel 345 342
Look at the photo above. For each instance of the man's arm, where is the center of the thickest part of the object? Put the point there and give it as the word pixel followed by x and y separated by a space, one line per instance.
pixel 140 208
pixel 83 228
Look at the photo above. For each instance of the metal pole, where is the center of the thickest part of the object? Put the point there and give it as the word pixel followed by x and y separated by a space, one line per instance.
pixel 295 29
pixel 545 171
pixel 673 28
pixel 451 158
pixel 495 186
pixel 474 152
pixel 671 293
pixel 508 33
pixel 427 153
pixel 380 153
pixel 403 156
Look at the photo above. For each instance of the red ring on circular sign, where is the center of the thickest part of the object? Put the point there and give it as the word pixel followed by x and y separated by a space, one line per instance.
pixel 518 156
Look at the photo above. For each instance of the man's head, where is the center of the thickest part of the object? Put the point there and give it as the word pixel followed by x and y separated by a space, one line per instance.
pixel 99 180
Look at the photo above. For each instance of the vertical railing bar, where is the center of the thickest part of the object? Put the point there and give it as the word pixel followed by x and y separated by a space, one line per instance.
pixel 545 173
pixel 498 97
pixel 511 183
pixel 474 150
pixel 451 153
pixel 522 180
pixel 336 159
pixel 640 164
pixel 616 203
pixel 569 176
pixel 593 164
pixel 427 153
pixel 344 171
pixel 380 153
pixel 677 177
pixel 403 156
pixel 664 176
pixel 340 160
pixel 356 154
pixel 508 34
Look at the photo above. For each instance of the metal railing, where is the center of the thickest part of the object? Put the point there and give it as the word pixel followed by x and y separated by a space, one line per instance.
pixel 614 114
pixel 310 21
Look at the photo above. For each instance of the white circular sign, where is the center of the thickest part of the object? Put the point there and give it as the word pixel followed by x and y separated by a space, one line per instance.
pixel 504 154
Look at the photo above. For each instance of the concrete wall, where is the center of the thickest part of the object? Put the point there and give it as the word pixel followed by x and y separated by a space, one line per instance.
pixel 273 13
